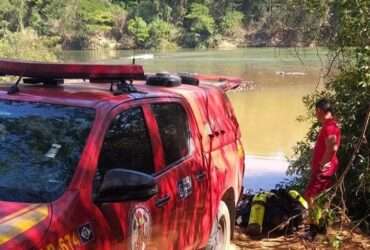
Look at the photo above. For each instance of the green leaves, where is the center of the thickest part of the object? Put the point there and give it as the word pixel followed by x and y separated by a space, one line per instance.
pixel 139 29
pixel 231 23
pixel 199 25
pixel 26 45
pixel 336 241
pixel 163 35
pixel 200 21
pixel 349 90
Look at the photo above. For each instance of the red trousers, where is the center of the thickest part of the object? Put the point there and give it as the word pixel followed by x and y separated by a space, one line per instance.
pixel 318 183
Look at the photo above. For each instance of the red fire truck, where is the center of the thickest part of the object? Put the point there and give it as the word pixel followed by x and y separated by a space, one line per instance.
pixel 106 157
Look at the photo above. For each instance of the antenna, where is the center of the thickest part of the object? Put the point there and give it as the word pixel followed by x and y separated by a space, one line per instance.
pixel 14 89
pixel 133 57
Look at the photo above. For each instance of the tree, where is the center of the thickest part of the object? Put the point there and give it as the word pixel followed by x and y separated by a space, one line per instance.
pixel 26 45
pixel 6 16
pixel 139 29
pixel 200 26
pixel 42 15
pixel 231 23
pixel 72 28
pixel 163 35
pixel 349 90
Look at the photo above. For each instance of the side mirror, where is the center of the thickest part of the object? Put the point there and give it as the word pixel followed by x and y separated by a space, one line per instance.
pixel 126 185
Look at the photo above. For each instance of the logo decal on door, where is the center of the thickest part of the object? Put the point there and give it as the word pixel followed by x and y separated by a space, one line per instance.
pixel 140 228
pixel 184 187
pixel 86 233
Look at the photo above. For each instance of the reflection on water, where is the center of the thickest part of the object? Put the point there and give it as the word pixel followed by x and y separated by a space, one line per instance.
pixel 267 114
pixel 264 173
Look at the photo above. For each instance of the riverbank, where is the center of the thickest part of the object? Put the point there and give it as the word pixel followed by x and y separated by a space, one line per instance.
pixel 159 25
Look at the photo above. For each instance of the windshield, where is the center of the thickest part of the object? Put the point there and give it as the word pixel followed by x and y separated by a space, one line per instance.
pixel 40 146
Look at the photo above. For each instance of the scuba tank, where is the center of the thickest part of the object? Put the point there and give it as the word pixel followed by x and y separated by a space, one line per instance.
pixel 257 213
pixel 295 195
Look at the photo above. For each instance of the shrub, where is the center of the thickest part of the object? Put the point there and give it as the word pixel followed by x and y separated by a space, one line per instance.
pixel 231 23
pixel 139 29
pixel 163 34
pixel 349 90
pixel 200 26
pixel 25 45
pixel 98 15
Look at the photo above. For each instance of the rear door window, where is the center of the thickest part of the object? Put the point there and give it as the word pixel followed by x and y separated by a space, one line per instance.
pixel 127 144
pixel 174 130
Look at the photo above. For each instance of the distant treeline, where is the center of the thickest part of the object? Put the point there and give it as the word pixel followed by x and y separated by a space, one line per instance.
pixel 159 24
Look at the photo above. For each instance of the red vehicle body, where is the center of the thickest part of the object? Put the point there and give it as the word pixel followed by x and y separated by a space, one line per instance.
pixel 188 192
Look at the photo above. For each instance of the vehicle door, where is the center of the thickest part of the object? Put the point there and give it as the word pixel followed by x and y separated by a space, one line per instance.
pixel 131 142
pixel 182 170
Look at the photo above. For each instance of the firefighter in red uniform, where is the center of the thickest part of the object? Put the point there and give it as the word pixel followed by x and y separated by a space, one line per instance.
pixel 324 160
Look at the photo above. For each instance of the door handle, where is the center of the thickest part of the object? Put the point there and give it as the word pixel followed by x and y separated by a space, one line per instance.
pixel 200 175
pixel 162 201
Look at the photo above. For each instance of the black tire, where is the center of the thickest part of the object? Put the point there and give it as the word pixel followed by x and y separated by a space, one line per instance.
pixel 221 230
pixel 188 78
pixel 164 80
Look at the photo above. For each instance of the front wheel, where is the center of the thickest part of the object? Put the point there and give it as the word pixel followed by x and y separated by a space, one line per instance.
pixel 221 230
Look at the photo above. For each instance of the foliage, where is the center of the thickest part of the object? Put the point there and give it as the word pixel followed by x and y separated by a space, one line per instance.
pixel 139 29
pixel 72 28
pixel 8 19
pixel 147 10
pixel 231 23
pixel 73 21
pixel 163 34
pixel 98 15
pixel 293 22
pixel 336 241
pixel 83 20
pixel 255 10
pixel 349 90
pixel 41 15
pixel 25 44
pixel 200 26
pixel 195 23
pixel 37 14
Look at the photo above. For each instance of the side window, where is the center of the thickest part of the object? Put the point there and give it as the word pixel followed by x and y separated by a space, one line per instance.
pixel 127 144
pixel 174 130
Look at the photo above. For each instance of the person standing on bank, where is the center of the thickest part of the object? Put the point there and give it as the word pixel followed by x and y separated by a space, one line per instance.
pixel 324 162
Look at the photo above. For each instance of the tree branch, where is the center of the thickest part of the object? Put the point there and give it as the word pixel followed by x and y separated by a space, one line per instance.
pixel 340 182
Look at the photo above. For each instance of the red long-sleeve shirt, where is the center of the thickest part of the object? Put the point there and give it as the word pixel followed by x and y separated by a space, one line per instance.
pixel 330 127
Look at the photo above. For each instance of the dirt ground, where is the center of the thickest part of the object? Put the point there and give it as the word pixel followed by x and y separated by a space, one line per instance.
pixel 334 239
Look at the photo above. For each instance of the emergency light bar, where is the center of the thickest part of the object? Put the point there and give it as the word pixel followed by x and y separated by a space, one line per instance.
pixel 42 70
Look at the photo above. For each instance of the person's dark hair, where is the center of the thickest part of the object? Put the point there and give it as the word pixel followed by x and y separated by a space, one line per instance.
pixel 324 105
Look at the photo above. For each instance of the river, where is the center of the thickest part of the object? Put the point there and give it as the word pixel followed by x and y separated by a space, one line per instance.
pixel 267 112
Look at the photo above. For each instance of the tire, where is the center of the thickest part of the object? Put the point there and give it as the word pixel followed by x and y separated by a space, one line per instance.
pixel 188 78
pixel 163 79
pixel 221 230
